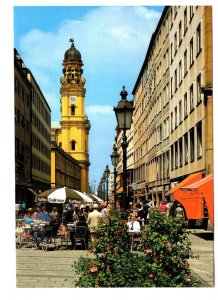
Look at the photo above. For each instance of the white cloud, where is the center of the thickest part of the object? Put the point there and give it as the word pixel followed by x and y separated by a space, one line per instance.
pixel 113 43
pixel 99 109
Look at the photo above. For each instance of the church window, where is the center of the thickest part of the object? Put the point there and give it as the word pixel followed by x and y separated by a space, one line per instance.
pixel 73 145
pixel 73 110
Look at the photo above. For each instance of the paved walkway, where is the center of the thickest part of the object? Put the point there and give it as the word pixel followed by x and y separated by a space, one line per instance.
pixel 51 269
pixel 203 245
pixel 54 269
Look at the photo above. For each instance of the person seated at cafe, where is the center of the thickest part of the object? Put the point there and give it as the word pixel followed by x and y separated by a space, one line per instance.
pixel 28 219
pixel 35 212
pixel 133 224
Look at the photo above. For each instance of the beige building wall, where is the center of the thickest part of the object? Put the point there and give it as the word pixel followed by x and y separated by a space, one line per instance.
pixel 173 134
pixel 189 71
pixel 151 118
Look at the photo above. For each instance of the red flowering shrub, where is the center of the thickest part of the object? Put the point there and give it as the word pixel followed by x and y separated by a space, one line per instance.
pixel 162 259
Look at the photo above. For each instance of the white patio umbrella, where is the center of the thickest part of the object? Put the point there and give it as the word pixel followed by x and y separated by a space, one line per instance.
pixel 97 198
pixel 59 196
pixel 85 197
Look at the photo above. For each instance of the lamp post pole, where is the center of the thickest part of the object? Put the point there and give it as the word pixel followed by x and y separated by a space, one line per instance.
pixel 115 160
pixel 107 173
pixel 124 112
pixel 124 147
pixel 94 187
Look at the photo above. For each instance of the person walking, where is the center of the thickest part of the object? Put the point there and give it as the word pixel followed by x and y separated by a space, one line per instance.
pixel 93 220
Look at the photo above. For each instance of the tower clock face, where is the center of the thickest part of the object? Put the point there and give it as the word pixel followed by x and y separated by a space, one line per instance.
pixel 72 99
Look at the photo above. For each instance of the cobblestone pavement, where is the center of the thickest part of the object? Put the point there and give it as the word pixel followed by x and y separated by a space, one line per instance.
pixel 46 269
pixel 204 267
pixel 53 269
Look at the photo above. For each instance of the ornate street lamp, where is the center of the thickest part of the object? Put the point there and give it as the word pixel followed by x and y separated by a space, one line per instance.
pixel 115 160
pixel 124 112
pixel 107 173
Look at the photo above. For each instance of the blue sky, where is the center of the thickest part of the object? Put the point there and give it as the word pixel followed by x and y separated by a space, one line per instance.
pixel 112 41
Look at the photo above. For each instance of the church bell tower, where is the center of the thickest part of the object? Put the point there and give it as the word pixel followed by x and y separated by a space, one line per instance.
pixel 74 123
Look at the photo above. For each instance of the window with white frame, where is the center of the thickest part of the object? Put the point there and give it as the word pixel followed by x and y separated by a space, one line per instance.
pixel 199 139
pixel 192 144
pixel 186 147
pixel 191 96
pixel 175 81
pixel 185 21
pixel 172 122
pixel 176 117
pixel 180 153
pixel 198 88
pixel 191 11
pixel 185 63
pixel 180 111
pixel 180 32
pixel 172 157
pixel 176 155
pixel 198 39
pixel 191 52
pixel 175 43
pixel 180 71
pixel 185 105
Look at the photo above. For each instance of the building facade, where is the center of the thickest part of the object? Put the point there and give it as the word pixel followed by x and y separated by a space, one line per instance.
pixel 32 135
pixel 65 170
pixel 172 122
pixel 41 136
pixel 75 126
pixel 22 114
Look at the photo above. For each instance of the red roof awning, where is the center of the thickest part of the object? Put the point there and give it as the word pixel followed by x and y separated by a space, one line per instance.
pixel 188 180
pixel 198 184
pixel 201 187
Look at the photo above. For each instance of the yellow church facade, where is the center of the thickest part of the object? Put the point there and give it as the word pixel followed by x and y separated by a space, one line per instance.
pixel 73 132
